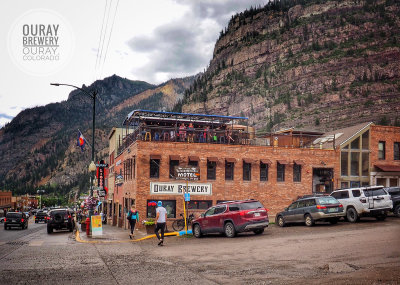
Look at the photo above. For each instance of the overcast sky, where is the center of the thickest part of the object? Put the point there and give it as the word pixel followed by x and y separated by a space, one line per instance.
pixel 152 40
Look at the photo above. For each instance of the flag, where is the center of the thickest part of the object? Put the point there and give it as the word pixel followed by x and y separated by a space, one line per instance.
pixel 81 141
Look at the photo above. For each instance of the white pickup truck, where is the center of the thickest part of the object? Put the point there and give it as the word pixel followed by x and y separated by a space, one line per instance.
pixel 371 201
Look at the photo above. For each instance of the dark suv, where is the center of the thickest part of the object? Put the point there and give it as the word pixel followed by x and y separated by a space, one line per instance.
pixel 232 217
pixel 60 219
pixel 15 219
pixel 310 209
pixel 40 217
pixel 394 193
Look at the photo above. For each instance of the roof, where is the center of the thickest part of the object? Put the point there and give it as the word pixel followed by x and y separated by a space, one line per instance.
pixel 388 167
pixel 178 116
pixel 297 132
pixel 340 136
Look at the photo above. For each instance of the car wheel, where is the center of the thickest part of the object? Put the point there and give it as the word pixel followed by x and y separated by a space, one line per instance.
pixel 334 221
pixel 396 211
pixel 229 230
pixel 381 217
pixel 309 221
pixel 49 230
pixel 281 221
pixel 197 231
pixel 258 232
pixel 352 215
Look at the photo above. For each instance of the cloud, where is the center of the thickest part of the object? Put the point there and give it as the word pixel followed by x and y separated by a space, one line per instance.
pixel 5 116
pixel 185 46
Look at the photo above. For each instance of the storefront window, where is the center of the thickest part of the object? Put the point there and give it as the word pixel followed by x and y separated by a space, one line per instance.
pixel 296 173
pixel 211 170
pixel 154 168
pixel 280 172
pixel 263 172
pixel 229 167
pixel 199 204
pixel 246 171
pixel 169 205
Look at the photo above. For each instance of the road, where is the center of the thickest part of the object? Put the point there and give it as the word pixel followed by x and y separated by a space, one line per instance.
pixel 363 253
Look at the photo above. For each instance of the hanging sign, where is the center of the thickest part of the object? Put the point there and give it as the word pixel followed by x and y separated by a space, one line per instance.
pixel 180 188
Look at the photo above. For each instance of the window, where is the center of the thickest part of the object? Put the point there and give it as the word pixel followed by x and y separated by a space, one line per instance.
pixel 280 172
pixel 199 204
pixel 263 172
pixel 154 168
pixel 293 206
pixel 374 192
pixel 172 164
pixel 355 164
pixel 129 169
pixel 365 163
pixel 219 210
pixel 193 163
pixel 365 140
pixel 169 205
pixel 229 167
pixel 251 205
pixel 209 212
pixel 344 163
pixel 301 204
pixel 234 208
pixel 396 151
pixel 356 193
pixel 340 194
pixel 296 173
pixel 246 171
pixel 211 170
pixel 310 203
pixel 381 150
pixel 344 184
pixel 355 144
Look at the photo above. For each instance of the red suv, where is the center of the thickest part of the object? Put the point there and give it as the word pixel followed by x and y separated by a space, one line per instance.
pixel 232 217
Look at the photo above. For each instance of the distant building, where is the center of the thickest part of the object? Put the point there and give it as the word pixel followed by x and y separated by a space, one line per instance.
pixel 5 201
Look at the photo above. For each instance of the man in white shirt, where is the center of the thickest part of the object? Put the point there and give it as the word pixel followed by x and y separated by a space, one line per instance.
pixel 161 220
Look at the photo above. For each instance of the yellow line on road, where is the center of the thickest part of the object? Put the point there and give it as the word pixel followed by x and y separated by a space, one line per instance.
pixel 78 238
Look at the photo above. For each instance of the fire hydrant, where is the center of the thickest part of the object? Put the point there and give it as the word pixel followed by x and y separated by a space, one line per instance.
pixel 87 226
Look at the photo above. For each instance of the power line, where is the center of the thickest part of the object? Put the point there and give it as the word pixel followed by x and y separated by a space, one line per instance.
pixel 105 33
pixel 101 35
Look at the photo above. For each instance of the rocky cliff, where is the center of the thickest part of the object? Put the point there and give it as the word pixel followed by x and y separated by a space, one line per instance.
pixel 305 64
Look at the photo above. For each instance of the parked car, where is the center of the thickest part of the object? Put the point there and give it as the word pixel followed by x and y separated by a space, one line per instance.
pixel 40 216
pixel 15 219
pixel 371 201
pixel 310 209
pixel 231 218
pixel 60 219
pixel 2 219
pixel 394 193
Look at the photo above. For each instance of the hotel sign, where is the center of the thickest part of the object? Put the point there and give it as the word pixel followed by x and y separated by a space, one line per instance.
pixel 180 188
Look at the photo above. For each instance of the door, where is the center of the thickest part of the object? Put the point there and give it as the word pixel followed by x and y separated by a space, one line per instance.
pixel 216 222
pixel 291 211
pixel 298 213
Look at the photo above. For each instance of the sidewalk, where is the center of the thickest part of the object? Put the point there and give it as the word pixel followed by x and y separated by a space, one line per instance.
pixel 113 234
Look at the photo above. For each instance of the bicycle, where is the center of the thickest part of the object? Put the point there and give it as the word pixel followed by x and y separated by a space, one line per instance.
pixel 179 225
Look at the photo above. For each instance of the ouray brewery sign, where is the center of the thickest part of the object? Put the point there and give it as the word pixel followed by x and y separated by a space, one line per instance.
pixel 180 188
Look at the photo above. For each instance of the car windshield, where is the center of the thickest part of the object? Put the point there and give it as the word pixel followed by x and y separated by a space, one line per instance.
pixel 251 205
pixel 14 215
pixel 327 201
pixel 52 213
pixel 374 192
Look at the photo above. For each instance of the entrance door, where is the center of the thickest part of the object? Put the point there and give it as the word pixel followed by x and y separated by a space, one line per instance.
pixel 322 180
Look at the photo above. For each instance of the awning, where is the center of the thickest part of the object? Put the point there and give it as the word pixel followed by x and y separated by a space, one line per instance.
pixel 283 162
pixel 298 162
pixel 388 167
pixel 194 158
pixel 213 159
pixel 265 161
pixel 230 160
pixel 174 157
pixel 155 156
pixel 248 160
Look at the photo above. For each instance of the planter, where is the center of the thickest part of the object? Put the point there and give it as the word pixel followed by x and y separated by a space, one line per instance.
pixel 150 229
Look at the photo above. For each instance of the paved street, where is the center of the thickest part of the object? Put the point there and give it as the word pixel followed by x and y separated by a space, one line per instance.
pixel 363 253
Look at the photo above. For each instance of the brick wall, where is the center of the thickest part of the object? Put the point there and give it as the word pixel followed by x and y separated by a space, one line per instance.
pixel 274 195
pixel 389 135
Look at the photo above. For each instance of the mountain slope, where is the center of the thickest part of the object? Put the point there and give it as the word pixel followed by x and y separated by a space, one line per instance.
pixel 306 64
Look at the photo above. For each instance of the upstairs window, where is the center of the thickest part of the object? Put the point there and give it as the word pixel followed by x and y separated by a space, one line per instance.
pixel 246 171
pixel 382 150
pixel 396 151
pixel 172 164
pixel 211 170
pixel 154 168
pixel 296 173
pixel 280 172
pixel 263 172
pixel 229 167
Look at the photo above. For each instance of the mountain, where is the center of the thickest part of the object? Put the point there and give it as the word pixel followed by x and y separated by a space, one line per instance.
pixel 38 147
pixel 305 64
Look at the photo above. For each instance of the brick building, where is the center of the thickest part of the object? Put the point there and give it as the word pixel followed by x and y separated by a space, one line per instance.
pixel 5 201
pixel 231 167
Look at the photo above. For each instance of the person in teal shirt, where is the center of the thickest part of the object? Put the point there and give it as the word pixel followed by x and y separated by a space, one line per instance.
pixel 133 217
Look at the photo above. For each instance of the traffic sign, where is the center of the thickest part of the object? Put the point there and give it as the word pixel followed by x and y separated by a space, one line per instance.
pixel 187 197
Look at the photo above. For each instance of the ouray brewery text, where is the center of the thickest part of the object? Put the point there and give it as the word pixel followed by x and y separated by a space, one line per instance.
pixel 181 188
pixel 40 42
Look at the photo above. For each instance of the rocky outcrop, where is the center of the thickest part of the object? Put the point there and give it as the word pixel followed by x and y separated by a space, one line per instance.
pixel 319 65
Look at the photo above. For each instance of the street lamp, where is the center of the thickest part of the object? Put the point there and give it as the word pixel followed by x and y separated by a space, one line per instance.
pixel 40 193
pixel 92 166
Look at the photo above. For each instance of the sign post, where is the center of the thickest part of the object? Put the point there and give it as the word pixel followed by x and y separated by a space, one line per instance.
pixel 186 173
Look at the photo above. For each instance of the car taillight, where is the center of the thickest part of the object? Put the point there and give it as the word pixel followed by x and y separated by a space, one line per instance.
pixel 363 200
pixel 22 220
pixel 5 219
pixel 321 207
pixel 242 213
pixel 48 218
pixel 69 217
pixel 340 206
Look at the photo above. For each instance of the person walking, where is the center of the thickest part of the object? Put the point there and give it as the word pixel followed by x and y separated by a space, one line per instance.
pixel 133 217
pixel 161 220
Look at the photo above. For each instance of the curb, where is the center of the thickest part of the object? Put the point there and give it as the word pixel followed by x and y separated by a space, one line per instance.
pixel 78 238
